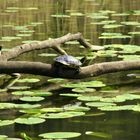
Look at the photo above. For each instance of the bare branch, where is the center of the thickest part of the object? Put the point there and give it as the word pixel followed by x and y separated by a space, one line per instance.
pixel 51 43
pixel 39 68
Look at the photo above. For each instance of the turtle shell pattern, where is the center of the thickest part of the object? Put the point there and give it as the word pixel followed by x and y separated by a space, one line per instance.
pixel 68 61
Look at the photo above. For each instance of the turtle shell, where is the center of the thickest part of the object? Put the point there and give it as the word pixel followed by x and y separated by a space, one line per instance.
pixel 68 61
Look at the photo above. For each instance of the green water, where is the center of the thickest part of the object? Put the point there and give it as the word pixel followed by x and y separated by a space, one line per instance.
pixel 31 20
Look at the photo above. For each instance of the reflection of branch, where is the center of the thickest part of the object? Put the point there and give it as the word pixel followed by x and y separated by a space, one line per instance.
pixel 11 81
pixel 39 68
pixel 51 43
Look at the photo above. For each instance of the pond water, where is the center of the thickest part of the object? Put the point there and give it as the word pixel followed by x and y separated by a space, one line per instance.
pixel 104 107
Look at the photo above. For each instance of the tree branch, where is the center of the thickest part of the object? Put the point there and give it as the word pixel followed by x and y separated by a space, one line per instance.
pixel 39 68
pixel 51 43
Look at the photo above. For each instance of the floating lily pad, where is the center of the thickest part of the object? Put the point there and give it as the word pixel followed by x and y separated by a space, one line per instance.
pixel 36 23
pixel 99 104
pixel 32 93
pixel 32 111
pixel 89 98
pixel 114 99
pixel 42 93
pixel 28 80
pixel 70 94
pixel 52 109
pixel 6 122
pixel 120 14
pixel 76 14
pixel 107 53
pixel 11 10
pixel 7 105
pixel 27 106
pixel 3 137
pixel 30 8
pixel 31 99
pixel 134 33
pixel 124 48
pixel 20 28
pixel 83 89
pixel 10 38
pixel 117 108
pixel 47 54
pixel 112 26
pixel 136 108
pixel 61 16
pixel 19 87
pixel 76 108
pixel 29 121
pixel 56 80
pixel 136 12
pixel 59 135
pixel 108 21
pixel 27 31
pixel 107 11
pixel 130 57
pixel 98 16
pixel 113 35
pixel 133 23
pixel 61 115
pixel 99 134
pixel 23 35
pixel 84 84
pixel 22 93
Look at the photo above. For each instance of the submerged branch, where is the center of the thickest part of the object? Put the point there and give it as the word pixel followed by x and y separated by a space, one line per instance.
pixel 39 68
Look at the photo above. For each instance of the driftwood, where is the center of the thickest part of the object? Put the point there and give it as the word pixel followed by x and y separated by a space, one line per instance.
pixel 38 68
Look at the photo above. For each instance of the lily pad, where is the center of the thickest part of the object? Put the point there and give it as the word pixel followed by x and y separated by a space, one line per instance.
pixel 19 87
pixel 27 106
pixel 56 80
pixel 61 16
pixel 6 122
pixel 52 109
pixel 60 135
pixel 22 93
pixel 84 84
pixel 20 28
pixel 24 35
pixel 76 108
pixel 61 115
pixel 112 26
pixel 130 57
pixel 133 23
pixel 120 14
pixel 70 94
pixel 7 105
pixel 116 108
pixel 28 80
pixel 134 33
pixel 47 54
pixel 89 98
pixel 83 89
pixel 29 121
pixel 10 38
pixel 76 14
pixel 99 134
pixel 31 99
pixel 99 104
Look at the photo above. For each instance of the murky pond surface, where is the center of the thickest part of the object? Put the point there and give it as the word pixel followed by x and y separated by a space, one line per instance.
pixel 104 107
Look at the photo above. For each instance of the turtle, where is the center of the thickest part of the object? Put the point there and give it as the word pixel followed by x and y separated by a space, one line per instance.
pixel 67 62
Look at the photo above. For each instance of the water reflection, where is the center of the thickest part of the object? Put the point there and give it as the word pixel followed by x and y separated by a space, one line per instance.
pixel 36 20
